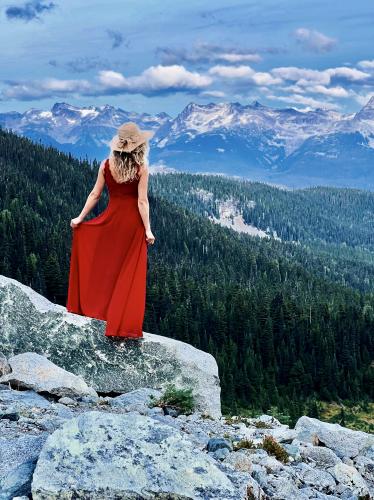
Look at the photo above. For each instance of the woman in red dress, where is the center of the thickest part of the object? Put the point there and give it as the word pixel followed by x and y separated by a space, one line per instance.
pixel 108 261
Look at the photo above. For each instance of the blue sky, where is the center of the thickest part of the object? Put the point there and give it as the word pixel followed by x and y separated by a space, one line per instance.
pixel 153 56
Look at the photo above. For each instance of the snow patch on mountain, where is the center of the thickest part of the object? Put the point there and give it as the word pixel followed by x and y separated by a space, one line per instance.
pixel 203 194
pixel 230 215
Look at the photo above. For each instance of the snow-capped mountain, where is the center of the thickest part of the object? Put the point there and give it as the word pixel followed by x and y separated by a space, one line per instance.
pixel 285 145
pixel 80 131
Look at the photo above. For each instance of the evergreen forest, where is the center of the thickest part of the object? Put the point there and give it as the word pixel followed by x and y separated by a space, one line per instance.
pixel 289 319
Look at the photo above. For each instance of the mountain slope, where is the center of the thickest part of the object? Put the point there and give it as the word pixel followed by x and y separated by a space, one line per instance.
pixel 282 333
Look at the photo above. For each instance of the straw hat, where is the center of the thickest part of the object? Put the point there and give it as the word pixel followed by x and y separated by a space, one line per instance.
pixel 129 136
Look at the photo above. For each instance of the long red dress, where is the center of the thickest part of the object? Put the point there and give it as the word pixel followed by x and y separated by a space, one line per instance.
pixel 108 263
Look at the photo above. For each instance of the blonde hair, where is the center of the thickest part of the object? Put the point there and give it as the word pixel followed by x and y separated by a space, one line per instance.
pixel 126 165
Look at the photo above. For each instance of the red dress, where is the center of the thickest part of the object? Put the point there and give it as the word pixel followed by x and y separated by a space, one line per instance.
pixel 108 263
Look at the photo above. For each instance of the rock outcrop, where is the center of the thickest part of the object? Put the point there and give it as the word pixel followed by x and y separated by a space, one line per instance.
pixel 30 322
pixel 33 371
pixel 59 439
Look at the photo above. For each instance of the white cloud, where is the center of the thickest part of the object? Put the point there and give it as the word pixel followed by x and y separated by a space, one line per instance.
pixel 363 99
pixel 44 88
pixel 156 78
pixel 244 72
pixel 213 93
pixel 305 100
pixel 305 77
pixel 330 91
pixel 232 71
pixel 153 80
pixel 205 52
pixel 112 79
pixel 337 91
pixel 235 58
pixel 265 79
pixel 313 40
pixel 366 64
pixel 351 74
pixel 296 74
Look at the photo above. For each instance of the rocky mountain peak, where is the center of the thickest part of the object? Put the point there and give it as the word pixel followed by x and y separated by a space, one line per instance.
pixel 60 107
pixel 367 111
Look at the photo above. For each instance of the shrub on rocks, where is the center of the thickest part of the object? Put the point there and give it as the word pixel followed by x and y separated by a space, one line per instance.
pixel 274 448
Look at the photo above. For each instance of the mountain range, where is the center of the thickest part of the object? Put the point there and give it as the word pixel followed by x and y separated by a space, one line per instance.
pixel 284 146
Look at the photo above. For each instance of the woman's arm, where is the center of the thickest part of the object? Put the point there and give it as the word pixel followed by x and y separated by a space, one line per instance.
pixel 143 203
pixel 92 198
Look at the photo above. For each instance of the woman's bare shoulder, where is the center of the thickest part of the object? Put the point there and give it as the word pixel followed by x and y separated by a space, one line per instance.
pixel 143 169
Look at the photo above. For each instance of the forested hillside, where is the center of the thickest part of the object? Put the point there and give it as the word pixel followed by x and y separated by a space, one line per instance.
pixel 333 227
pixel 283 329
pixel 327 215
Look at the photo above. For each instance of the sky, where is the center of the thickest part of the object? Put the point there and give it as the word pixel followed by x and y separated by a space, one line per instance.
pixel 157 56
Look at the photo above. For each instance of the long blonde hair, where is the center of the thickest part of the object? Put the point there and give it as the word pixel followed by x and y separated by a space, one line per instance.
pixel 125 164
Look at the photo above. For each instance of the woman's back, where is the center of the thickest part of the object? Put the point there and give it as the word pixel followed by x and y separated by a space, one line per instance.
pixel 117 189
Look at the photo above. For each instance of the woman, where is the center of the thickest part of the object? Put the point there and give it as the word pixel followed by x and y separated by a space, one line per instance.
pixel 108 261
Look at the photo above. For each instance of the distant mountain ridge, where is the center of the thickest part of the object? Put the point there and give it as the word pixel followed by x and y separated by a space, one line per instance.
pixel 80 131
pixel 284 146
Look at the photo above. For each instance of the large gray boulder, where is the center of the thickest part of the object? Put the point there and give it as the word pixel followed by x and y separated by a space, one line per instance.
pixel 30 322
pixel 110 456
pixel 34 371
pixel 344 442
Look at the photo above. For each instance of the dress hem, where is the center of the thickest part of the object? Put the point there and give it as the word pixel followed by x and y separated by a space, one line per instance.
pixel 104 319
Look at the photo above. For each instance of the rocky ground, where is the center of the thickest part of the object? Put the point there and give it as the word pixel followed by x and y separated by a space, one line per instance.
pixel 78 420
pixel 60 441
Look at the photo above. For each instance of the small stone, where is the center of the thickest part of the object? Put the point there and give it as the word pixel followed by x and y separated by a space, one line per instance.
pixel 217 443
pixel 220 454
pixel 154 411
pixel 9 414
pixel 254 490
pixel 169 410
pixel 4 365
pixel 239 460
pixel 89 399
pixel 292 450
pixel 67 401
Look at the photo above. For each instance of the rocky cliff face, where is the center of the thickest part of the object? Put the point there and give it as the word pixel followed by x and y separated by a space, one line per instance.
pixel 61 438
pixel 30 322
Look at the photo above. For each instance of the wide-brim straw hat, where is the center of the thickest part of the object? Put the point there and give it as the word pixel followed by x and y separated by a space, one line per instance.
pixel 129 136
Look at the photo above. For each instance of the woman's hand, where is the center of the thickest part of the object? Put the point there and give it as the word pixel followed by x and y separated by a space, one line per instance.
pixel 150 239
pixel 76 221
